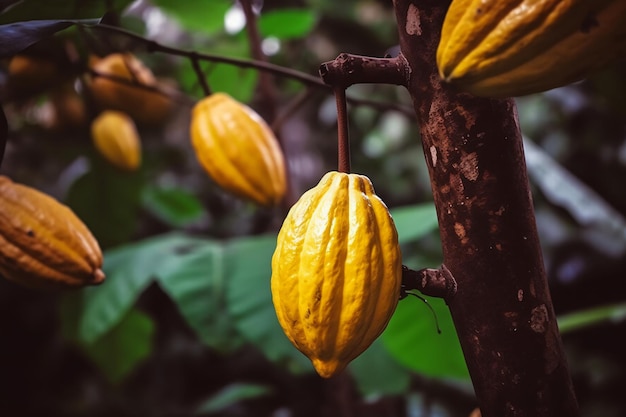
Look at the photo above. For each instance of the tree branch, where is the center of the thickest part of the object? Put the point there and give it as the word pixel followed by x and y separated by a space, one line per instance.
pixel 502 309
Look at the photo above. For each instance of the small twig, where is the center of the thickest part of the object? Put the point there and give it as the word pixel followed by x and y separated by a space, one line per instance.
pixel 153 46
pixel 348 69
pixel 343 136
pixel 266 83
pixel 195 63
pixel 433 282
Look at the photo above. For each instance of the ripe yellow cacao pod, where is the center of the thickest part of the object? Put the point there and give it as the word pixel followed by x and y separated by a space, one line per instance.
pixel 336 271
pixel 238 149
pixel 143 105
pixel 42 243
pixel 501 48
pixel 115 136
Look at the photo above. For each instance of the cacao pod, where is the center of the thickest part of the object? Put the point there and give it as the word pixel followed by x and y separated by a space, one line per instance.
pixel 42 243
pixel 501 48
pixel 142 104
pixel 336 271
pixel 238 149
pixel 30 75
pixel 115 136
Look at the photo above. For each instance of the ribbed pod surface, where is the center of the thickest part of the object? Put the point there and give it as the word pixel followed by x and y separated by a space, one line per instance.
pixel 336 271
pixel 42 242
pixel 512 48
pixel 238 149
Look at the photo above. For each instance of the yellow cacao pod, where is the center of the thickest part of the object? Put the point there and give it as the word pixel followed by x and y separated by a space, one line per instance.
pixel 115 137
pixel 336 271
pixel 238 149
pixel 42 243
pixel 499 48
pixel 143 105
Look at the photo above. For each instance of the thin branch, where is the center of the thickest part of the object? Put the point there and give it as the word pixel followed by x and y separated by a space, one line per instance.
pixel 266 82
pixel 153 46
pixel 195 63
pixel 306 79
pixel 343 136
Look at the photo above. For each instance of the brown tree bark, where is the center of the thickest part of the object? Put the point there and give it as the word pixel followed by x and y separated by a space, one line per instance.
pixel 502 309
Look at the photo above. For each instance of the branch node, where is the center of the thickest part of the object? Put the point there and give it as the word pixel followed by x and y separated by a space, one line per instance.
pixel 432 282
pixel 348 69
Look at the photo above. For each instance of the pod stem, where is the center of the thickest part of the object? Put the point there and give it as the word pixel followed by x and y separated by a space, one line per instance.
pixel 343 137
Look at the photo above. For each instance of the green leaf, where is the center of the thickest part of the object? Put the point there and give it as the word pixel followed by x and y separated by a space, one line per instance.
pixel 414 222
pixel 175 206
pixel 107 201
pixel 129 270
pixel 196 284
pixel 590 317
pixel 54 10
pixel 248 272
pixel 412 339
pixel 197 15
pixel 286 23
pixel 121 349
pixel 231 395
pixel 376 373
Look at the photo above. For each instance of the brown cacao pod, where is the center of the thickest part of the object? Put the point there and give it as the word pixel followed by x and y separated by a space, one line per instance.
pixel 28 75
pixel 115 136
pixel 238 150
pixel 501 48
pixel 336 271
pixel 115 90
pixel 42 243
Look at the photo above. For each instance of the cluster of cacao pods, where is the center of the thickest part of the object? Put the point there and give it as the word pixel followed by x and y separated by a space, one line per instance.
pixel 125 91
pixel 500 48
pixel 238 149
pixel 43 244
pixel 336 271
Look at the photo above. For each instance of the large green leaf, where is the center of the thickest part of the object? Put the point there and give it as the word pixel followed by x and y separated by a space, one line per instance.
pixel 412 339
pixel 248 270
pixel 197 15
pixel 60 9
pixel 190 270
pixel 121 349
pixel 287 23
pixel 414 222
pixel 377 373
pixel 196 284
pixel 129 269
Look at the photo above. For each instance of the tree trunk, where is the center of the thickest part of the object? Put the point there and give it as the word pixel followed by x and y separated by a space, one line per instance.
pixel 502 309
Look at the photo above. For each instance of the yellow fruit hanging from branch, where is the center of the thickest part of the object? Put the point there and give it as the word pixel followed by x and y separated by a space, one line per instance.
pixel 336 271
pixel 238 149
pixel 501 48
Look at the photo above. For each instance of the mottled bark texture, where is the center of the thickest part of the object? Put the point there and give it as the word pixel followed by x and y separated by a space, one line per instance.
pixel 502 309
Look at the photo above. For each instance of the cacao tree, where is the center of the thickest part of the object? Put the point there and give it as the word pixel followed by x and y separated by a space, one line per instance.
pixel 226 113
